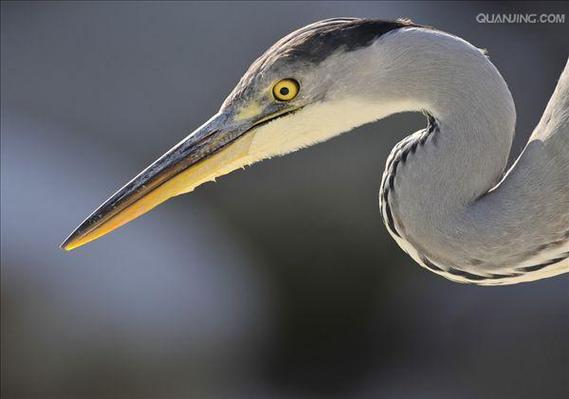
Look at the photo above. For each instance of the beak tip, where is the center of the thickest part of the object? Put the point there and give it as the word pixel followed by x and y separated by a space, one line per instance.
pixel 68 244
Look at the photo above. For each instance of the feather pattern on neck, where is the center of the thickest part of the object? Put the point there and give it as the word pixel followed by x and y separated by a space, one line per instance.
pixel 443 195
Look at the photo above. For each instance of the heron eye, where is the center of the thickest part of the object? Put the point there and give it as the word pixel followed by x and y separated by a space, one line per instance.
pixel 286 89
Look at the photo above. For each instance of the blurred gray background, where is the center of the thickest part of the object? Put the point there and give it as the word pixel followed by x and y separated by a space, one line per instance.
pixel 279 281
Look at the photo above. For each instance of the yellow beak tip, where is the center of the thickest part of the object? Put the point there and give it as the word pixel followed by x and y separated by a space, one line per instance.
pixel 70 245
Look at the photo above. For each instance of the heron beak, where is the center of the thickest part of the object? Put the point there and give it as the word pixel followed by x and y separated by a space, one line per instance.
pixel 216 148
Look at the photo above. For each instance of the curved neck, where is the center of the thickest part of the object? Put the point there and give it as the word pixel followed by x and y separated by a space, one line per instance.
pixel 442 197
pixel 433 178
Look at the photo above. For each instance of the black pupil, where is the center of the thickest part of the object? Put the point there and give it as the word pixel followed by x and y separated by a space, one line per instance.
pixel 284 91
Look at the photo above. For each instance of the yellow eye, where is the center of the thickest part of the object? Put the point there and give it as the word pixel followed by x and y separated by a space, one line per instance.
pixel 286 89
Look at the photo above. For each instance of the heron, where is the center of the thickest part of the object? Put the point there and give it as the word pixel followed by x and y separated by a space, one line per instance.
pixel 446 195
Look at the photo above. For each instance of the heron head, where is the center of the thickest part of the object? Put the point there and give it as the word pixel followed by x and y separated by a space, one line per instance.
pixel 302 90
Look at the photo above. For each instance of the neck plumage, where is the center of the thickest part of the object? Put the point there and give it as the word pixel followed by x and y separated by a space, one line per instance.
pixel 442 197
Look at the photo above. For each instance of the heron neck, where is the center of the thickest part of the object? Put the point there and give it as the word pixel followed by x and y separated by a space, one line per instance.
pixel 434 178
